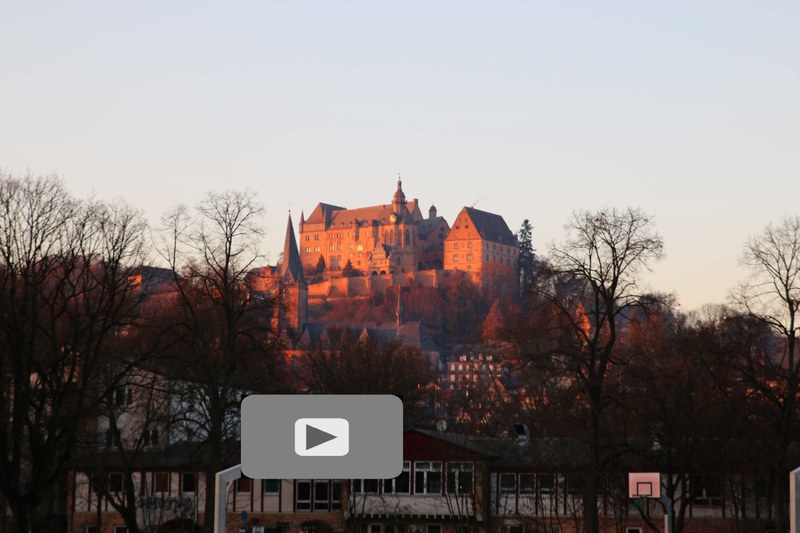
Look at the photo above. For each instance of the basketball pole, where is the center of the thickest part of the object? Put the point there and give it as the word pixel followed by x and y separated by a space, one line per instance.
pixel 794 501
pixel 222 484
pixel 669 514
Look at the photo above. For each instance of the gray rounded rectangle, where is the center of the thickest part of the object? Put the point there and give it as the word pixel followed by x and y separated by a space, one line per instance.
pixel 374 436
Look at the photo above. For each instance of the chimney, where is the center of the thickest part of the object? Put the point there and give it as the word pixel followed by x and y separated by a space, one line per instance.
pixel 432 212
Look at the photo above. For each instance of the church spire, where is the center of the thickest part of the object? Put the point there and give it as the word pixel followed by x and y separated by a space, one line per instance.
pixel 291 268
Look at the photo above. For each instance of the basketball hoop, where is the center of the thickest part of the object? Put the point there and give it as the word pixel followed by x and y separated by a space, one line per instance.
pixel 644 485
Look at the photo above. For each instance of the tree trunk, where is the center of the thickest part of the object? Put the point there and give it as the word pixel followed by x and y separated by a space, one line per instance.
pixel 591 520
pixel 22 516
pixel 781 497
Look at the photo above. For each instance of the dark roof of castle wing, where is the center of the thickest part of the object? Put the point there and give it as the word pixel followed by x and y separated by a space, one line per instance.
pixel 426 226
pixel 491 227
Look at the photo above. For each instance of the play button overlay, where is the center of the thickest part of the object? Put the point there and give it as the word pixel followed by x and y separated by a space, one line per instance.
pixel 321 437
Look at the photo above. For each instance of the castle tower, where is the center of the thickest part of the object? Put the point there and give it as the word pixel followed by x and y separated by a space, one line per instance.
pixel 399 199
pixel 294 289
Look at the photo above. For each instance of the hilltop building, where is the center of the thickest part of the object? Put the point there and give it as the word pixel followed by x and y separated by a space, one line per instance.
pixel 395 238
pixel 481 244
pixel 387 238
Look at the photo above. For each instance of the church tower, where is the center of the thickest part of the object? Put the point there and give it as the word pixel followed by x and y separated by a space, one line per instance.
pixel 293 297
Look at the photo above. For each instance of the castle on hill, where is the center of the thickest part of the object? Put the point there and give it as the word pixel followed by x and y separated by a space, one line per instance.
pixel 387 243
pixel 396 238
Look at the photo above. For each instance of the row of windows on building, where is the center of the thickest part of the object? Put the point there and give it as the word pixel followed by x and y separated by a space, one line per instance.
pixel 489 246
pixel 113 482
pixel 149 437
pixel 470 367
pixel 459 478
pixel 489 257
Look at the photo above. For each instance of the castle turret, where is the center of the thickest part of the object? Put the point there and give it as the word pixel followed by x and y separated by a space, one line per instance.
pixel 432 212
pixel 399 198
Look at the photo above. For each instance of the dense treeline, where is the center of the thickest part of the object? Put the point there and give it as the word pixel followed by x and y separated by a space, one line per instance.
pixel 594 356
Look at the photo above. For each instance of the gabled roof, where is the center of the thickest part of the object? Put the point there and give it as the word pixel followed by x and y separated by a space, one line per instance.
pixel 291 268
pixel 322 213
pixel 426 226
pixel 491 227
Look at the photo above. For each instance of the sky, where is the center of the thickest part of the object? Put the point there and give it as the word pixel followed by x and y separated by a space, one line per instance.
pixel 533 110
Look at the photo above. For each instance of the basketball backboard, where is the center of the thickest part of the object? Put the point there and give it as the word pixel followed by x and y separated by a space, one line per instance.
pixel 644 485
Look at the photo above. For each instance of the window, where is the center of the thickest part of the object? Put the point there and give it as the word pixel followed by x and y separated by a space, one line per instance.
pixel 314 495
pixel 188 482
pixel 469 257
pixel 112 438
pixel 161 482
pixel 330 247
pixel 706 490
pixel 508 483
pixel 428 477
pixel 303 495
pixel 455 246
pixel 321 495
pixel 527 483
pixel 307 249
pixel 339 247
pixel 115 483
pixel 460 478
pixel 399 485
pixel 271 486
pixel 336 495
pixel 360 247
pixel 350 246
pixel 308 237
pixel 365 486
pixel 316 248
pixel 244 484
pixel 123 397
pixel 547 483
pixel 150 437
pixel 574 484
pixel 316 236
pixel 330 235
pixel 455 258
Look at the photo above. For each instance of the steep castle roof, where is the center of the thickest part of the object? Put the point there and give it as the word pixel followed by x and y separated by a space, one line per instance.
pixel 291 268
pixel 491 227
pixel 322 213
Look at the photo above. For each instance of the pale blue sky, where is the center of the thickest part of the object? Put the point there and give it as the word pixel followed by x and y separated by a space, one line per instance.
pixel 689 110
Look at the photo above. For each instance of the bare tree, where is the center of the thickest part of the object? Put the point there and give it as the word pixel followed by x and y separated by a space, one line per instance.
pixel 581 301
pixel 343 363
pixel 222 337
pixel 66 294
pixel 771 296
